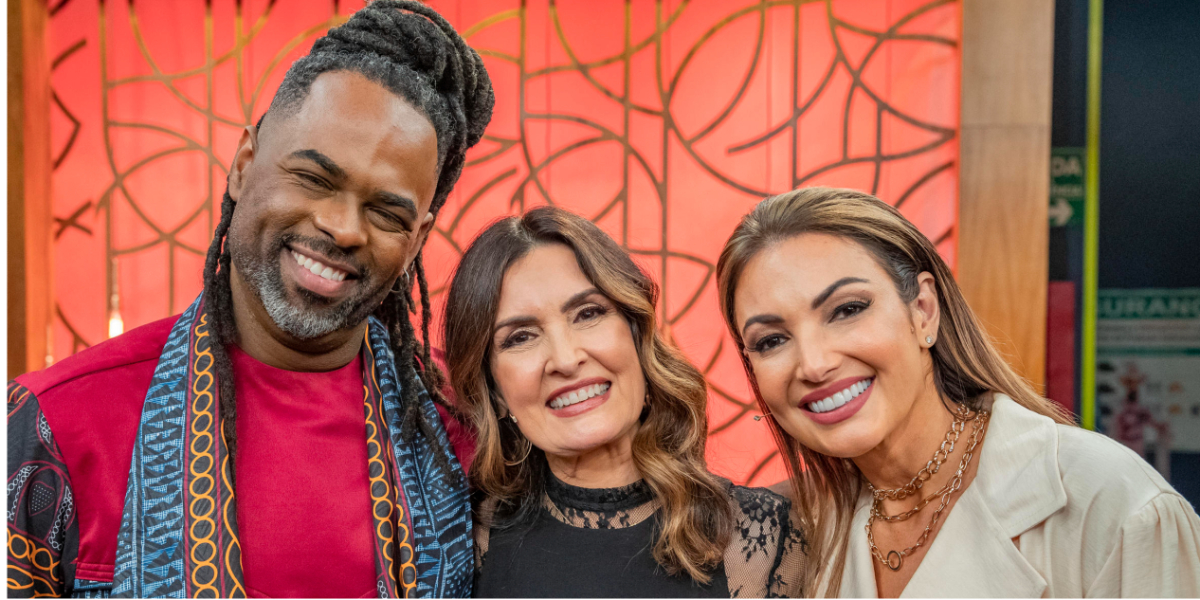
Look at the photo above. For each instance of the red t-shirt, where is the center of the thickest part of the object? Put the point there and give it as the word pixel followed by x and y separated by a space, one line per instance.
pixel 303 492
pixel 304 512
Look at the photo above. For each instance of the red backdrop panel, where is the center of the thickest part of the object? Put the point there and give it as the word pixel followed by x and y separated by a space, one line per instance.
pixel 664 122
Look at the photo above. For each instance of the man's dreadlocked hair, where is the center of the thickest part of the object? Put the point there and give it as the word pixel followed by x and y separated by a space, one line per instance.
pixel 411 50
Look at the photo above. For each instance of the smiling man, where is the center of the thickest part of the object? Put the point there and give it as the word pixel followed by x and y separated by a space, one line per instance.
pixel 281 437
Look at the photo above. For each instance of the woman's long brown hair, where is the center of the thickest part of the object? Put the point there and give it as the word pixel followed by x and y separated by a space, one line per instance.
pixel 966 364
pixel 695 516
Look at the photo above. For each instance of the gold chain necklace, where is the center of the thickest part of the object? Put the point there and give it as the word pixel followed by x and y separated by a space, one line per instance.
pixel 895 558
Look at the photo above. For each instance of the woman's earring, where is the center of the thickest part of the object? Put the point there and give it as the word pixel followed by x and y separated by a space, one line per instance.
pixel 528 443
pixel 929 340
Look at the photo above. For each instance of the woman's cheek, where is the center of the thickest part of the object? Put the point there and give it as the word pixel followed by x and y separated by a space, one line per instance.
pixel 518 382
pixel 772 381
pixel 614 336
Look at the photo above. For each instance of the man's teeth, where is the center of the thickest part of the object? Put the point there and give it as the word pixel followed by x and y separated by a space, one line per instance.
pixel 579 395
pixel 317 268
pixel 840 398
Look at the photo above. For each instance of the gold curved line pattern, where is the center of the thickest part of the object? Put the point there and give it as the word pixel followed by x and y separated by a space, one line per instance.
pixel 20 401
pixel 239 44
pixel 30 551
pixel 169 83
pixel 203 402
pixel 288 47
pixel 377 471
pixel 234 547
pixel 655 37
pixel 23 553
pixel 14 584
pixel 77 340
pixel 400 535
pixel 489 21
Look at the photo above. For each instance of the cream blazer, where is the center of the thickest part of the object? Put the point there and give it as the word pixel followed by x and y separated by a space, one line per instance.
pixel 1053 511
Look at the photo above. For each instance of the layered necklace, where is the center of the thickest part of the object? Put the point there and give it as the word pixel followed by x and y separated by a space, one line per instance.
pixel 894 559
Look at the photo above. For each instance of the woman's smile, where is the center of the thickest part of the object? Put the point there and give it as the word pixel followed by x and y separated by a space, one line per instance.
pixel 838 401
pixel 564 359
pixel 832 343
pixel 578 398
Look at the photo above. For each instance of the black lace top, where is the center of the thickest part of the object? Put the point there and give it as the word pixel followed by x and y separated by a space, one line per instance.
pixel 598 543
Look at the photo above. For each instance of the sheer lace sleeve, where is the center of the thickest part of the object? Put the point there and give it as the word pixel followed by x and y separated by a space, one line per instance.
pixel 484 518
pixel 767 557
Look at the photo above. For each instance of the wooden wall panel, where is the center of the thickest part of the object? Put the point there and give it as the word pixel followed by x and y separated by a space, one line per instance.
pixel 30 295
pixel 1007 58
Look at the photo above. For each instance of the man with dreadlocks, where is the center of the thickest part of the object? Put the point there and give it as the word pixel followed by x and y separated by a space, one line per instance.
pixel 283 436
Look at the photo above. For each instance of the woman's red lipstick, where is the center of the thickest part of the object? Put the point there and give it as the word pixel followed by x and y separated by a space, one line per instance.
pixel 579 407
pixel 842 412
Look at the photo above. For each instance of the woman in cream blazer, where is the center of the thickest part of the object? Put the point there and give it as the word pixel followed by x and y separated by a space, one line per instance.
pixel 929 467
pixel 1056 511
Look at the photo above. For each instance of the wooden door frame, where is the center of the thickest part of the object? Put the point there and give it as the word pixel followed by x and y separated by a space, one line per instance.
pixel 1004 153
pixel 30 243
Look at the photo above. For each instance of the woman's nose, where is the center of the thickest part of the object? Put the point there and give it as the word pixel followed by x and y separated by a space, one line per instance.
pixel 815 360
pixel 566 355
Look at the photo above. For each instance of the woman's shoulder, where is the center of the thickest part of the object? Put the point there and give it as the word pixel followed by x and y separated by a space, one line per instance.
pixel 1106 522
pixel 1095 471
pixel 755 500
pixel 768 555
pixel 1095 467
pixel 763 512
pixel 759 499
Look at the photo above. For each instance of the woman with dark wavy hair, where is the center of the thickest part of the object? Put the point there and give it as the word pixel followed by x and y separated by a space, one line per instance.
pixel 590 477
pixel 921 463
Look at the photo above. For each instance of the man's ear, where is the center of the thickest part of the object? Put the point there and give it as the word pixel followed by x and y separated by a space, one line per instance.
pixel 242 159
pixel 422 235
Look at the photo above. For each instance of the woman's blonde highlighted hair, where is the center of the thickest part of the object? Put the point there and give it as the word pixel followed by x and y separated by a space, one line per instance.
pixel 695 516
pixel 966 364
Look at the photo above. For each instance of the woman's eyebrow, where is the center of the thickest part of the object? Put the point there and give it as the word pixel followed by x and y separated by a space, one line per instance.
pixel 523 320
pixel 578 299
pixel 764 319
pixel 823 296
pixel 517 321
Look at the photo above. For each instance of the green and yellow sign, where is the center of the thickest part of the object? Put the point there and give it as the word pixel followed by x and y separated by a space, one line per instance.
pixel 1066 187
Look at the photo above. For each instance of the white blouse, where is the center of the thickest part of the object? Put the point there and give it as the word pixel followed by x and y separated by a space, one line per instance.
pixel 1088 517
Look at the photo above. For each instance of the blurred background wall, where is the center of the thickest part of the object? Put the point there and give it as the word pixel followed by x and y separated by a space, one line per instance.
pixel 1147 327
pixel 663 122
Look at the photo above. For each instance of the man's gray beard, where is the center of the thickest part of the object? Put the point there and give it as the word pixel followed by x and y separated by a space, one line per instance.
pixel 301 323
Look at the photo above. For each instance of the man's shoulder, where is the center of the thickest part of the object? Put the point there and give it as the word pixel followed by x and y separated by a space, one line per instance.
pixel 116 359
pixel 90 405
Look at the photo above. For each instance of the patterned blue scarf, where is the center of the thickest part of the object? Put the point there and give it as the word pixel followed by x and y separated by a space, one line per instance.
pixel 179 535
